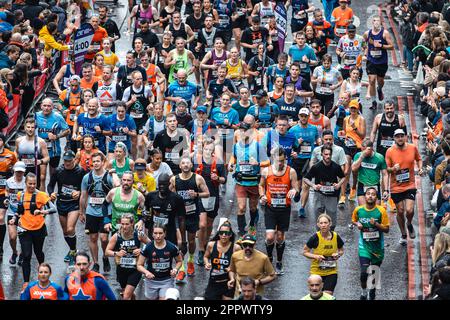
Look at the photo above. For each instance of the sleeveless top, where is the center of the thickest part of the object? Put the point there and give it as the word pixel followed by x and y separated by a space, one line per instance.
pixel 121 207
pixel 181 63
pixel 320 124
pixel 143 15
pixel 277 189
pixel 25 150
pixel 86 160
pixel 178 33
pixel 352 139
pixel 377 55
pixel 66 77
pixel 224 10
pixel 385 138
pixel 265 12
pixel 216 60
pixel 129 260
pixel 121 170
pixel 235 72
pixel 182 187
pixel 219 262
pixel 325 248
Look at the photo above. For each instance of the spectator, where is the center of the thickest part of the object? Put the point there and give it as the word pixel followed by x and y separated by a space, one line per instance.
pixel 32 9
pixel 248 290
pixel 4 25
pixel 8 59
pixel 47 36
pixel 443 285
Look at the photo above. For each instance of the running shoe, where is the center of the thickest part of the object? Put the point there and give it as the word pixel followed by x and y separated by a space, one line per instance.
pixel 96 267
pixel 190 269
pixel 106 265
pixel 67 257
pixel 200 258
pixel 301 213
pixel 341 201
pixel 279 268
pixel 403 241
pixel 352 196
pixel 380 93
pixel 13 259
pixel 180 277
pixel 20 262
pixel 252 230
pixel 412 233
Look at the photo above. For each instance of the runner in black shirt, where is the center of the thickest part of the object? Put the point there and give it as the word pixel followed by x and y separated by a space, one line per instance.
pixel 162 51
pixel 253 36
pixel 68 176
pixel 149 38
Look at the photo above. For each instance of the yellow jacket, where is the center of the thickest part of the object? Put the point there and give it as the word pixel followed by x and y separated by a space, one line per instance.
pixel 50 42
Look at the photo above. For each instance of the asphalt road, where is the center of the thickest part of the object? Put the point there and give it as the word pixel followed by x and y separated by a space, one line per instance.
pixel 292 285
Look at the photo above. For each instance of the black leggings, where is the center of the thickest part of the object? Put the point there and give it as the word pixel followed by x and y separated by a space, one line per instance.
pixel 32 241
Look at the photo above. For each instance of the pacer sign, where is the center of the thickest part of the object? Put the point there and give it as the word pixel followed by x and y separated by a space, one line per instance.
pixel 82 41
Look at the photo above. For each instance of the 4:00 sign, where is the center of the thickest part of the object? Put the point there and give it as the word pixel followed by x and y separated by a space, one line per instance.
pixel 81 45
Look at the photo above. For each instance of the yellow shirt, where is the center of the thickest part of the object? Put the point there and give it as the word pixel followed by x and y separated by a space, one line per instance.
pixel 111 59
pixel 148 182
pixel 325 248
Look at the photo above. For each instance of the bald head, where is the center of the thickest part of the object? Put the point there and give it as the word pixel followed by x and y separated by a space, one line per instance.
pixel 315 285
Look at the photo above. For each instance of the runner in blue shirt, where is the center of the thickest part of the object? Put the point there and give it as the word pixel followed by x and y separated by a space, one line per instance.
pixel 123 127
pixel 263 111
pixel 95 124
pixel 304 54
pixel 276 70
pixel 307 136
pixel 51 127
pixel 182 89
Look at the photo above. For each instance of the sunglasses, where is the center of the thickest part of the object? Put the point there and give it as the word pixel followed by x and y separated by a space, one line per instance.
pixel 248 245
pixel 224 233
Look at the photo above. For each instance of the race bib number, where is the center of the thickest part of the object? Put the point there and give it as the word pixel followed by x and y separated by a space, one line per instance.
pixel 120 138
pixel 326 89
pixel 96 143
pixel 96 201
pixel 208 50
pixel 349 142
pixel 258 81
pixel 350 60
pixel 160 265
pixel 127 261
pixel 67 190
pixel 160 220
pixel 327 264
pixel 172 156
pixel 28 162
pixel 403 176
pixel 161 59
pixel 327 189
pixel 2 182
pixel 224 20
pixel 49 144
pixel 190 209
pixel 96 47
pixel 371 236
pixel 305 149
pixel 341 30
pixel 209 203
pixel 72 116
pixel 106 110
pixel 278 202
pixel 246 168
pixel 300 16
pixel 387 143
pixel 303 65
pixel 375 53
pixel 365 188
pixel 369 165
pixel 136 115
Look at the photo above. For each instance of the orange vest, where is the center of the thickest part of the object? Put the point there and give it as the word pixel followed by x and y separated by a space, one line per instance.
pixel 28 220
pixel 278 188
pixel 7 161
pixel 352 139
pixel 74 101
pixel 86 160
pixel 151 77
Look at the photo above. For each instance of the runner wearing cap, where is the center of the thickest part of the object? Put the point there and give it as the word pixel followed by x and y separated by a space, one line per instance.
pixel 201 129
pixel 341 17
pixel 252 263
pixel 7 161
pixel 400 159
pixel 25 151
pixel 350 51
pixel 307 136
pixel 264 111
pixel 144 182
pixel 277 187
pixel 68 177
pixel 14 184
pixel 353 133
pixel 378 42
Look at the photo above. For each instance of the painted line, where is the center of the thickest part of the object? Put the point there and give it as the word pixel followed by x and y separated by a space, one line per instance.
pixel 421 216
pixel 410 246
pixel 393 54
pixel 394 30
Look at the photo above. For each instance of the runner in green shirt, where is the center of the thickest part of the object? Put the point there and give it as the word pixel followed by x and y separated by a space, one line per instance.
pixel 372 220
pixel 369 166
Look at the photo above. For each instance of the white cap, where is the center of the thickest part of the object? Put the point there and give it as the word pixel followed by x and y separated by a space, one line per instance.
pixel 398 131
pixel 304 111
pixel 20 166
pixel 172 294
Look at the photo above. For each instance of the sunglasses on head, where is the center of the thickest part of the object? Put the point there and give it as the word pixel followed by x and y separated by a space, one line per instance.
pixel 248 245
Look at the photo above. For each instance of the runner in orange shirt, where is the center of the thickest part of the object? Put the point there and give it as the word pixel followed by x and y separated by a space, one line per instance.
pixel 400 160
pixel 88 79
pixel 96 43
pixel 342 16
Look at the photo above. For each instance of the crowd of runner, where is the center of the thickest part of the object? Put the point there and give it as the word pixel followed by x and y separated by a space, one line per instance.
pixel 140 151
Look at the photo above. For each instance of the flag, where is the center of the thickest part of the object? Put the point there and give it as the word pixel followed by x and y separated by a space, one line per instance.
pixel 281 19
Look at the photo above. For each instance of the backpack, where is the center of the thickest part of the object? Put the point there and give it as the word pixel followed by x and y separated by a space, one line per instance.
pixel 105 185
